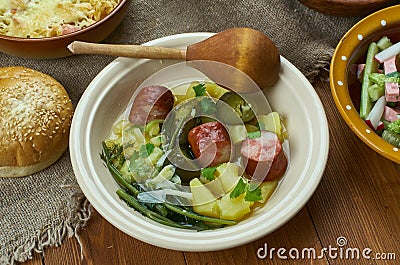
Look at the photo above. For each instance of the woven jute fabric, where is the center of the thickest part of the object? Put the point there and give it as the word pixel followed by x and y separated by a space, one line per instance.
pixel 43 209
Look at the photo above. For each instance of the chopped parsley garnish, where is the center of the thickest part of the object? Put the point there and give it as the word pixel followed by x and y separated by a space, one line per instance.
pixel 394 126
pixel 146 150
pixel 253 194
pixel 239 189
pixel 393 74
pixel 252 135
pixel 381 79
pixel 200 90
pixel 208 173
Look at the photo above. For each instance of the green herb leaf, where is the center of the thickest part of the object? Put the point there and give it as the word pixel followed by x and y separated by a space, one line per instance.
pixel 208 106
pixel 394 126
pixel 146 150
pixel 239 189
pixel 208 173
pixel 200 90
pixel 393 74
pixel 381 79
pixel 253 194
pixel 252 135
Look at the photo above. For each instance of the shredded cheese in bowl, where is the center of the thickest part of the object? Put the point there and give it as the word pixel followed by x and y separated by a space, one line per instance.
pixel 49 18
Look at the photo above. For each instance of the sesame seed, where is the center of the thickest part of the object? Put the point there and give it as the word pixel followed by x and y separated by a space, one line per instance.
pixel 30 107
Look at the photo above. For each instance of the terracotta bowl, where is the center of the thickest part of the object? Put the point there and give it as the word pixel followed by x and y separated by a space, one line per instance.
pixel 346 89
pixel 347 8
pixel 56 47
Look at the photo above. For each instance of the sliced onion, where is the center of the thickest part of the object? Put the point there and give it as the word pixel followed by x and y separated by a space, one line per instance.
pixel 154 196
pixel 160 196
pixel 374 117
pixel 387 53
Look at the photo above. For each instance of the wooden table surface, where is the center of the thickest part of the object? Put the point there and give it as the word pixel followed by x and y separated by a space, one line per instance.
pixel 357 203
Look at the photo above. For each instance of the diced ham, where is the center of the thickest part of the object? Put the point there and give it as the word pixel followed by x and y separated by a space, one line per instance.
pixel 390 114
pixel 392 92
pixel 390 65
pixel 66 29
pixel 360 71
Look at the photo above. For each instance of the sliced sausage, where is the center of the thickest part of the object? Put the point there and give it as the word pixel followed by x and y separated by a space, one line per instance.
pixel 152 102
pixel 265 157
pixel 210 143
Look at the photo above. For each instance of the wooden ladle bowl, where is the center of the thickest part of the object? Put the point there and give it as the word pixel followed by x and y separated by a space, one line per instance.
pixel 347 8
pixel 245 49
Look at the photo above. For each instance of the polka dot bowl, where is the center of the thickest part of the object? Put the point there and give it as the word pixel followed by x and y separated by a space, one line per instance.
pixel 345 87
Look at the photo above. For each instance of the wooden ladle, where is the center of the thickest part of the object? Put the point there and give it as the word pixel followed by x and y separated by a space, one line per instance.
pixel 245 49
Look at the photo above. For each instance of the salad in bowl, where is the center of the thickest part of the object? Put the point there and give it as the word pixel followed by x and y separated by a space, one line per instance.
pixel 379 78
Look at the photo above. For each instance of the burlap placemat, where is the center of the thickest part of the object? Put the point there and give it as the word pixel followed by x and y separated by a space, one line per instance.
pixel 42 209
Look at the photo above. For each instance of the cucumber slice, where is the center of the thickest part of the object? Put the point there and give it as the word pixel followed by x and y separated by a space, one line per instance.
pixel 153 127
pixel 391 137
pixel 371 66
pixel 384 43
pixel 376 92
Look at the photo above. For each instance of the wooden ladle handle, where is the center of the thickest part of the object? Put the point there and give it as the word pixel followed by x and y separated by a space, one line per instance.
pixel 133 51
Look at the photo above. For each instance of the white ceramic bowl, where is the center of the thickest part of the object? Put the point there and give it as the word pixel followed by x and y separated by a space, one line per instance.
pixel 108 95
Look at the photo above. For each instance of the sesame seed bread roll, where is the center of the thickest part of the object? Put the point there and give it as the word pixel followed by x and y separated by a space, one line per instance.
pixel 36 114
